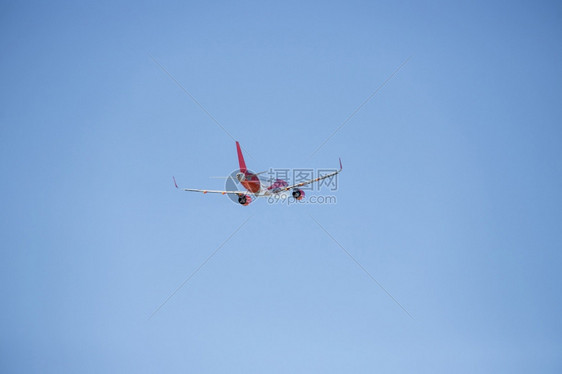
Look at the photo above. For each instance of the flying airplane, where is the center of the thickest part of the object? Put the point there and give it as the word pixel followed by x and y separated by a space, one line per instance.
pixel 257 188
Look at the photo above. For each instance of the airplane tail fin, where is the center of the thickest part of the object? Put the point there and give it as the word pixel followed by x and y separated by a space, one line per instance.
pixel 241 158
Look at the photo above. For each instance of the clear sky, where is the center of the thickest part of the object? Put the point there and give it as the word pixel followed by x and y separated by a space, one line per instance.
pixel 450 195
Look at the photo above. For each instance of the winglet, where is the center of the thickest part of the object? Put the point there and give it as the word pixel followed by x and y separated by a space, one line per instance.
pixel 341 167
pixel 175 184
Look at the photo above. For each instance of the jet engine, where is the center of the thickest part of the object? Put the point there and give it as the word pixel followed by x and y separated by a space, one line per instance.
pixel 244 200
pixel 298 194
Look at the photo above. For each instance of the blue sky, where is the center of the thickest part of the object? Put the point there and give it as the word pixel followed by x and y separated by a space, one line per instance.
pixel 450 194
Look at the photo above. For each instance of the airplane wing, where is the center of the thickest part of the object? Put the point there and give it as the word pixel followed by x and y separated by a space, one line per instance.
pixel 215 191
pixel 212 191
pixel 313 180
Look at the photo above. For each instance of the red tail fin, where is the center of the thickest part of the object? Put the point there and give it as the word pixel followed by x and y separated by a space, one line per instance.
pixel 241 158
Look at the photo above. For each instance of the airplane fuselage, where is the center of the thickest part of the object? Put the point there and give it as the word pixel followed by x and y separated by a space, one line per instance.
pixel 251 182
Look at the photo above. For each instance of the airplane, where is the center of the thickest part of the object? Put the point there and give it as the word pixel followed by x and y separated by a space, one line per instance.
pixel 256 188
